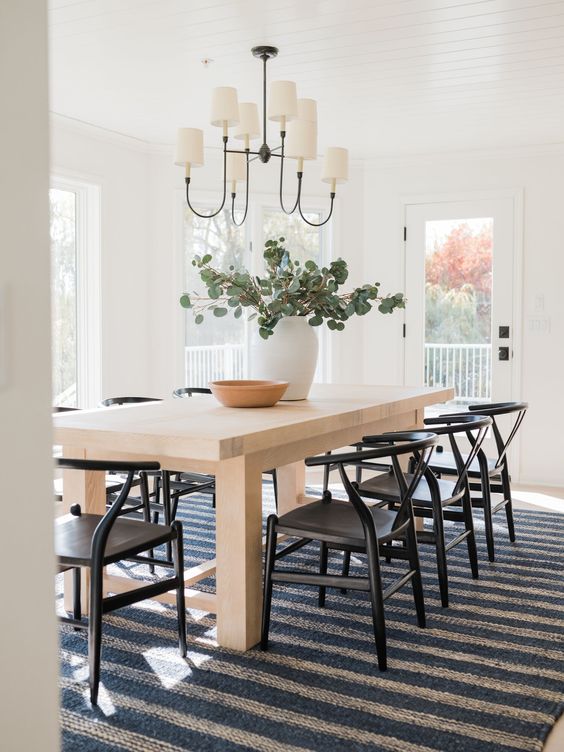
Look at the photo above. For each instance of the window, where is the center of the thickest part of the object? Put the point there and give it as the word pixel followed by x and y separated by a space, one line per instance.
pixel 62 205
pixel 214 349
pixel 74 233
pixel 218 348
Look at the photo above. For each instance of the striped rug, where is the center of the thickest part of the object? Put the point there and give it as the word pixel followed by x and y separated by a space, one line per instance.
pixel 486 674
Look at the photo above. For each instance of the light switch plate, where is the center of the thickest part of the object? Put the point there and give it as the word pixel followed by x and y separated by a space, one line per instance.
pixel 539 324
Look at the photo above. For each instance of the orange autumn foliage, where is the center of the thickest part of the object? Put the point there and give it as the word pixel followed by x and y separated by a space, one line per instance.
pixel 464 258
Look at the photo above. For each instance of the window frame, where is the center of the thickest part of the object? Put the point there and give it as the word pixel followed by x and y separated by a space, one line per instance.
pixel 255 239
pixel 88 285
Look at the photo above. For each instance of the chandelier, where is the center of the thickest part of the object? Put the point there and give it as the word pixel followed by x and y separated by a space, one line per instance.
pixel 298 141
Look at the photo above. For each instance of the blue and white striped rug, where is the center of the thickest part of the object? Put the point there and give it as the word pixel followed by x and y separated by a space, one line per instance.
pixel 486 674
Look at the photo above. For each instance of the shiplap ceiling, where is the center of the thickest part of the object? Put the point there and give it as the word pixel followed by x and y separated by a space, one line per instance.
pixel 390 77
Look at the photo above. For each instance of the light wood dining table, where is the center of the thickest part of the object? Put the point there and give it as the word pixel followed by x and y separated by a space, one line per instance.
pixel 235 445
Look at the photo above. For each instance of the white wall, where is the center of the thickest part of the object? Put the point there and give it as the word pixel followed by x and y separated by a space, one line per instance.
pixel 29 713
pixel 121 168
pixel 540 173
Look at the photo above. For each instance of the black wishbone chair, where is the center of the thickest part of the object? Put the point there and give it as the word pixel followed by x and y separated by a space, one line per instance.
pixel 354 526
pixel 189 391
pixel 440 499
pixel 95 541
pixel 489 475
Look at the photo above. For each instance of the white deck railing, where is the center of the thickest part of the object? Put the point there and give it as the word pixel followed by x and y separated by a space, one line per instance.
pixel 465 367
pixel 212 362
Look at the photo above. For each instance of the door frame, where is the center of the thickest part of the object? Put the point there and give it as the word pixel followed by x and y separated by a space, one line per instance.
pixel 517 196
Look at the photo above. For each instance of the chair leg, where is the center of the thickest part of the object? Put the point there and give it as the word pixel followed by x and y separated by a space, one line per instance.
pixel 268 567
pixel 323 558
pixel 470 539
pixel 180 598
pixel 275 488
pixel 439 530
pixel 167 513
pixel 488 520
pixel 95 632
pixel 506 485
pixel 415 566
pixel 147 509
pixel 346 567
pixel 76 594
pixel 377 603
pixel 326 471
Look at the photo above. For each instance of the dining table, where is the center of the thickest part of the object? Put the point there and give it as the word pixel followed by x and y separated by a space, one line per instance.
pixel 236 445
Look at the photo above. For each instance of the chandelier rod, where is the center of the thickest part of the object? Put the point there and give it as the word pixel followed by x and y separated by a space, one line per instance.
pixel 264 62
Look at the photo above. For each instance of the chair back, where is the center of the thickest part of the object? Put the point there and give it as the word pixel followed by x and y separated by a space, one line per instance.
pixel 517 409
pixel 418 445
pixel 111 401
pixel 188 391
pixel 474 427
pixel 102 531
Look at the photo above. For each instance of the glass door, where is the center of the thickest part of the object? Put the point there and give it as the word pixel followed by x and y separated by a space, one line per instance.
pixel 459 287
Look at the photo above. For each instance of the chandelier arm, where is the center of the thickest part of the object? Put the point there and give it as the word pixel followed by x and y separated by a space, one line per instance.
pixel 214 214
pixel 313 224
pixel 238 224
pixel 282 183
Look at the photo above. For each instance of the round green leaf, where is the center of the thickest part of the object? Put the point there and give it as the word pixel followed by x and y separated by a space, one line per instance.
pixel 219 312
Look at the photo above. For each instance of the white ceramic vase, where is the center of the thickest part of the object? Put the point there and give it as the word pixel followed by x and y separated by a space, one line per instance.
pixel 290 354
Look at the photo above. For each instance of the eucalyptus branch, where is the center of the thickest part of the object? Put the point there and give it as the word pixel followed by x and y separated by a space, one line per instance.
pixel 289 289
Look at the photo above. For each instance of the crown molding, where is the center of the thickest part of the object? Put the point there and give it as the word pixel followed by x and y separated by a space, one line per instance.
pixel 147 147
pixel 514 152
pixel 137 144
pixel 108 136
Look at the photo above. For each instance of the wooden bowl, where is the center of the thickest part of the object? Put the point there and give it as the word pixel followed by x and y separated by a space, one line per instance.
pixel 248 392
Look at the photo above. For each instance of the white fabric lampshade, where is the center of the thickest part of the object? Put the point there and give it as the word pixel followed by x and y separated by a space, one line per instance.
pixel 301 140
pixel 248 121
pixel 225 107
pixel 236 167
pixel 307 110
pixel 283 101
pixel 336 165
pixel 189 147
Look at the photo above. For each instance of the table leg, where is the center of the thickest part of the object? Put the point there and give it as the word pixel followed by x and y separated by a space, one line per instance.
pixel 291 486
pixel 239 552
pixel 87 489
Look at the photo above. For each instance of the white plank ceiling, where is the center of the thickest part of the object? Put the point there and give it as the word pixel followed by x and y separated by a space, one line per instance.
pixel 390 76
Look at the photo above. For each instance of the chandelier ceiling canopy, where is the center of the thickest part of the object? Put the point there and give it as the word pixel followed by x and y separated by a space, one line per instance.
pixel 297 120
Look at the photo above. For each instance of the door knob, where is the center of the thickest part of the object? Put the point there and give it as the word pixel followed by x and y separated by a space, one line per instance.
pixel 503 353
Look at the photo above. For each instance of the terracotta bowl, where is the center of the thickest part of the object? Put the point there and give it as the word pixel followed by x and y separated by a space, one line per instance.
pixel 248 393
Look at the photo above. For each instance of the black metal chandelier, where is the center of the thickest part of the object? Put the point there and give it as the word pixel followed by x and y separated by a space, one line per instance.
pixel 298 136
